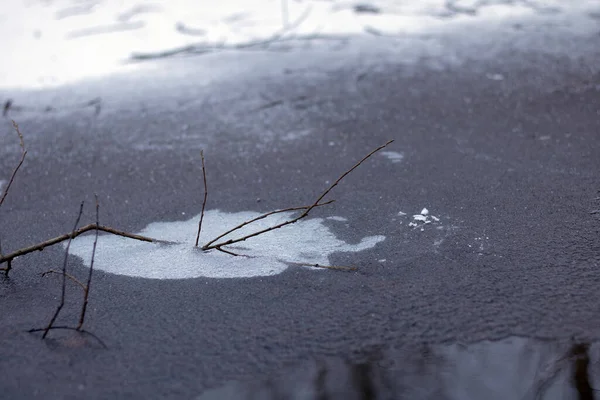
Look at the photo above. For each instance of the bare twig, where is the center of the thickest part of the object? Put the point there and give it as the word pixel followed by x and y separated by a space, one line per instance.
pixel 86 289
pixel 205 197
pixel 231 253
pixel 343 176
pixel 71 277
pixel 208 245
pixel 207 47
pixel 72 329
pixel 64 275
pixel 7 268
pixel 23 154
pixel 50 242
pixel 336 267
pixel 306 211
pixel 6 107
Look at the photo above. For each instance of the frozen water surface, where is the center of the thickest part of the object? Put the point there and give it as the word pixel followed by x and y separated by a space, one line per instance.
pixel 308 241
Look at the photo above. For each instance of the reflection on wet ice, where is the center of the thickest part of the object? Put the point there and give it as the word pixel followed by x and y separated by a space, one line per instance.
pixel 513 368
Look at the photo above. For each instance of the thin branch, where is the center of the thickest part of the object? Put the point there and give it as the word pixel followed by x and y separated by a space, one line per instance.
pixel 336 267
pixel 207 47
pixel 74 234
pixel 86 289
pixel 343 176
pixel 231 253
pixel 7 268
pixel 72 329
pixel 64 276
pixel 205 197
pixel 23 154
pixel 208 245
pixel 71 277
pixel 305 213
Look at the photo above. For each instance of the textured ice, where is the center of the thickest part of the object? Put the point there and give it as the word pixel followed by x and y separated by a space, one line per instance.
pixel 308 241
pixel 393 156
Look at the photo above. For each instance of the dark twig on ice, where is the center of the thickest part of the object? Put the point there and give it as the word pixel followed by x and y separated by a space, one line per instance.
pixel 205 197
pixel 201 48
pixel 64 277
pixel 41 246
pixel 86 289
pixel 336 267
pixel 23 154
pixel 69 276
pixel 208 245
pixel 307 209
pixel 70 328
pixel 12 178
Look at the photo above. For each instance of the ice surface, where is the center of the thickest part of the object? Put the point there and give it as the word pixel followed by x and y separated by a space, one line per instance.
pixel 393 156
pixel 50 43
pixel 307 241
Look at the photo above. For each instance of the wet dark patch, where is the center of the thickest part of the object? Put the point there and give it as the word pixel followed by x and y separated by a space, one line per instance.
pixel 511 368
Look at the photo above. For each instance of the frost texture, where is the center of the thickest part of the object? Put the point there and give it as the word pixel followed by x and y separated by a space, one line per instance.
pixel 307 241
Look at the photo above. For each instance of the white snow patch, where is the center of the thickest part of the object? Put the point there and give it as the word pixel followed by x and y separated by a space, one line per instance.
pixel 495 77
pixel 393 156
pixel 400 213
pixel 422 219
pixel 74 40
pixel 307 241
pixel 295 135
pixel 341 219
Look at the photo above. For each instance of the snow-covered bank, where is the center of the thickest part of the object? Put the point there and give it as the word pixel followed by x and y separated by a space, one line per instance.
pixel 63 41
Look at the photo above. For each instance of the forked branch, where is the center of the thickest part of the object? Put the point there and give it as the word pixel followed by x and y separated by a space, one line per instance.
pixel 86 289
pixel 207 245
pixel 41 246
pixel 307 210
pixel 203 201
pixel 64 277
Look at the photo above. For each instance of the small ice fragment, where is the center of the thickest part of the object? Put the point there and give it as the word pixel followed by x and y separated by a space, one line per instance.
pixel 424 211
pixel 495 77
pixel 433 217
pixel 382 260
pixel 420 217
pixel 400 213
pixel 412 224
pixel 427 222
pixel 393 156
pixel 341 219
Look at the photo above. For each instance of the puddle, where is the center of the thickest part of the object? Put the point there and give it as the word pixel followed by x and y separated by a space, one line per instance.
pixel 308 241
pixel 514 368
